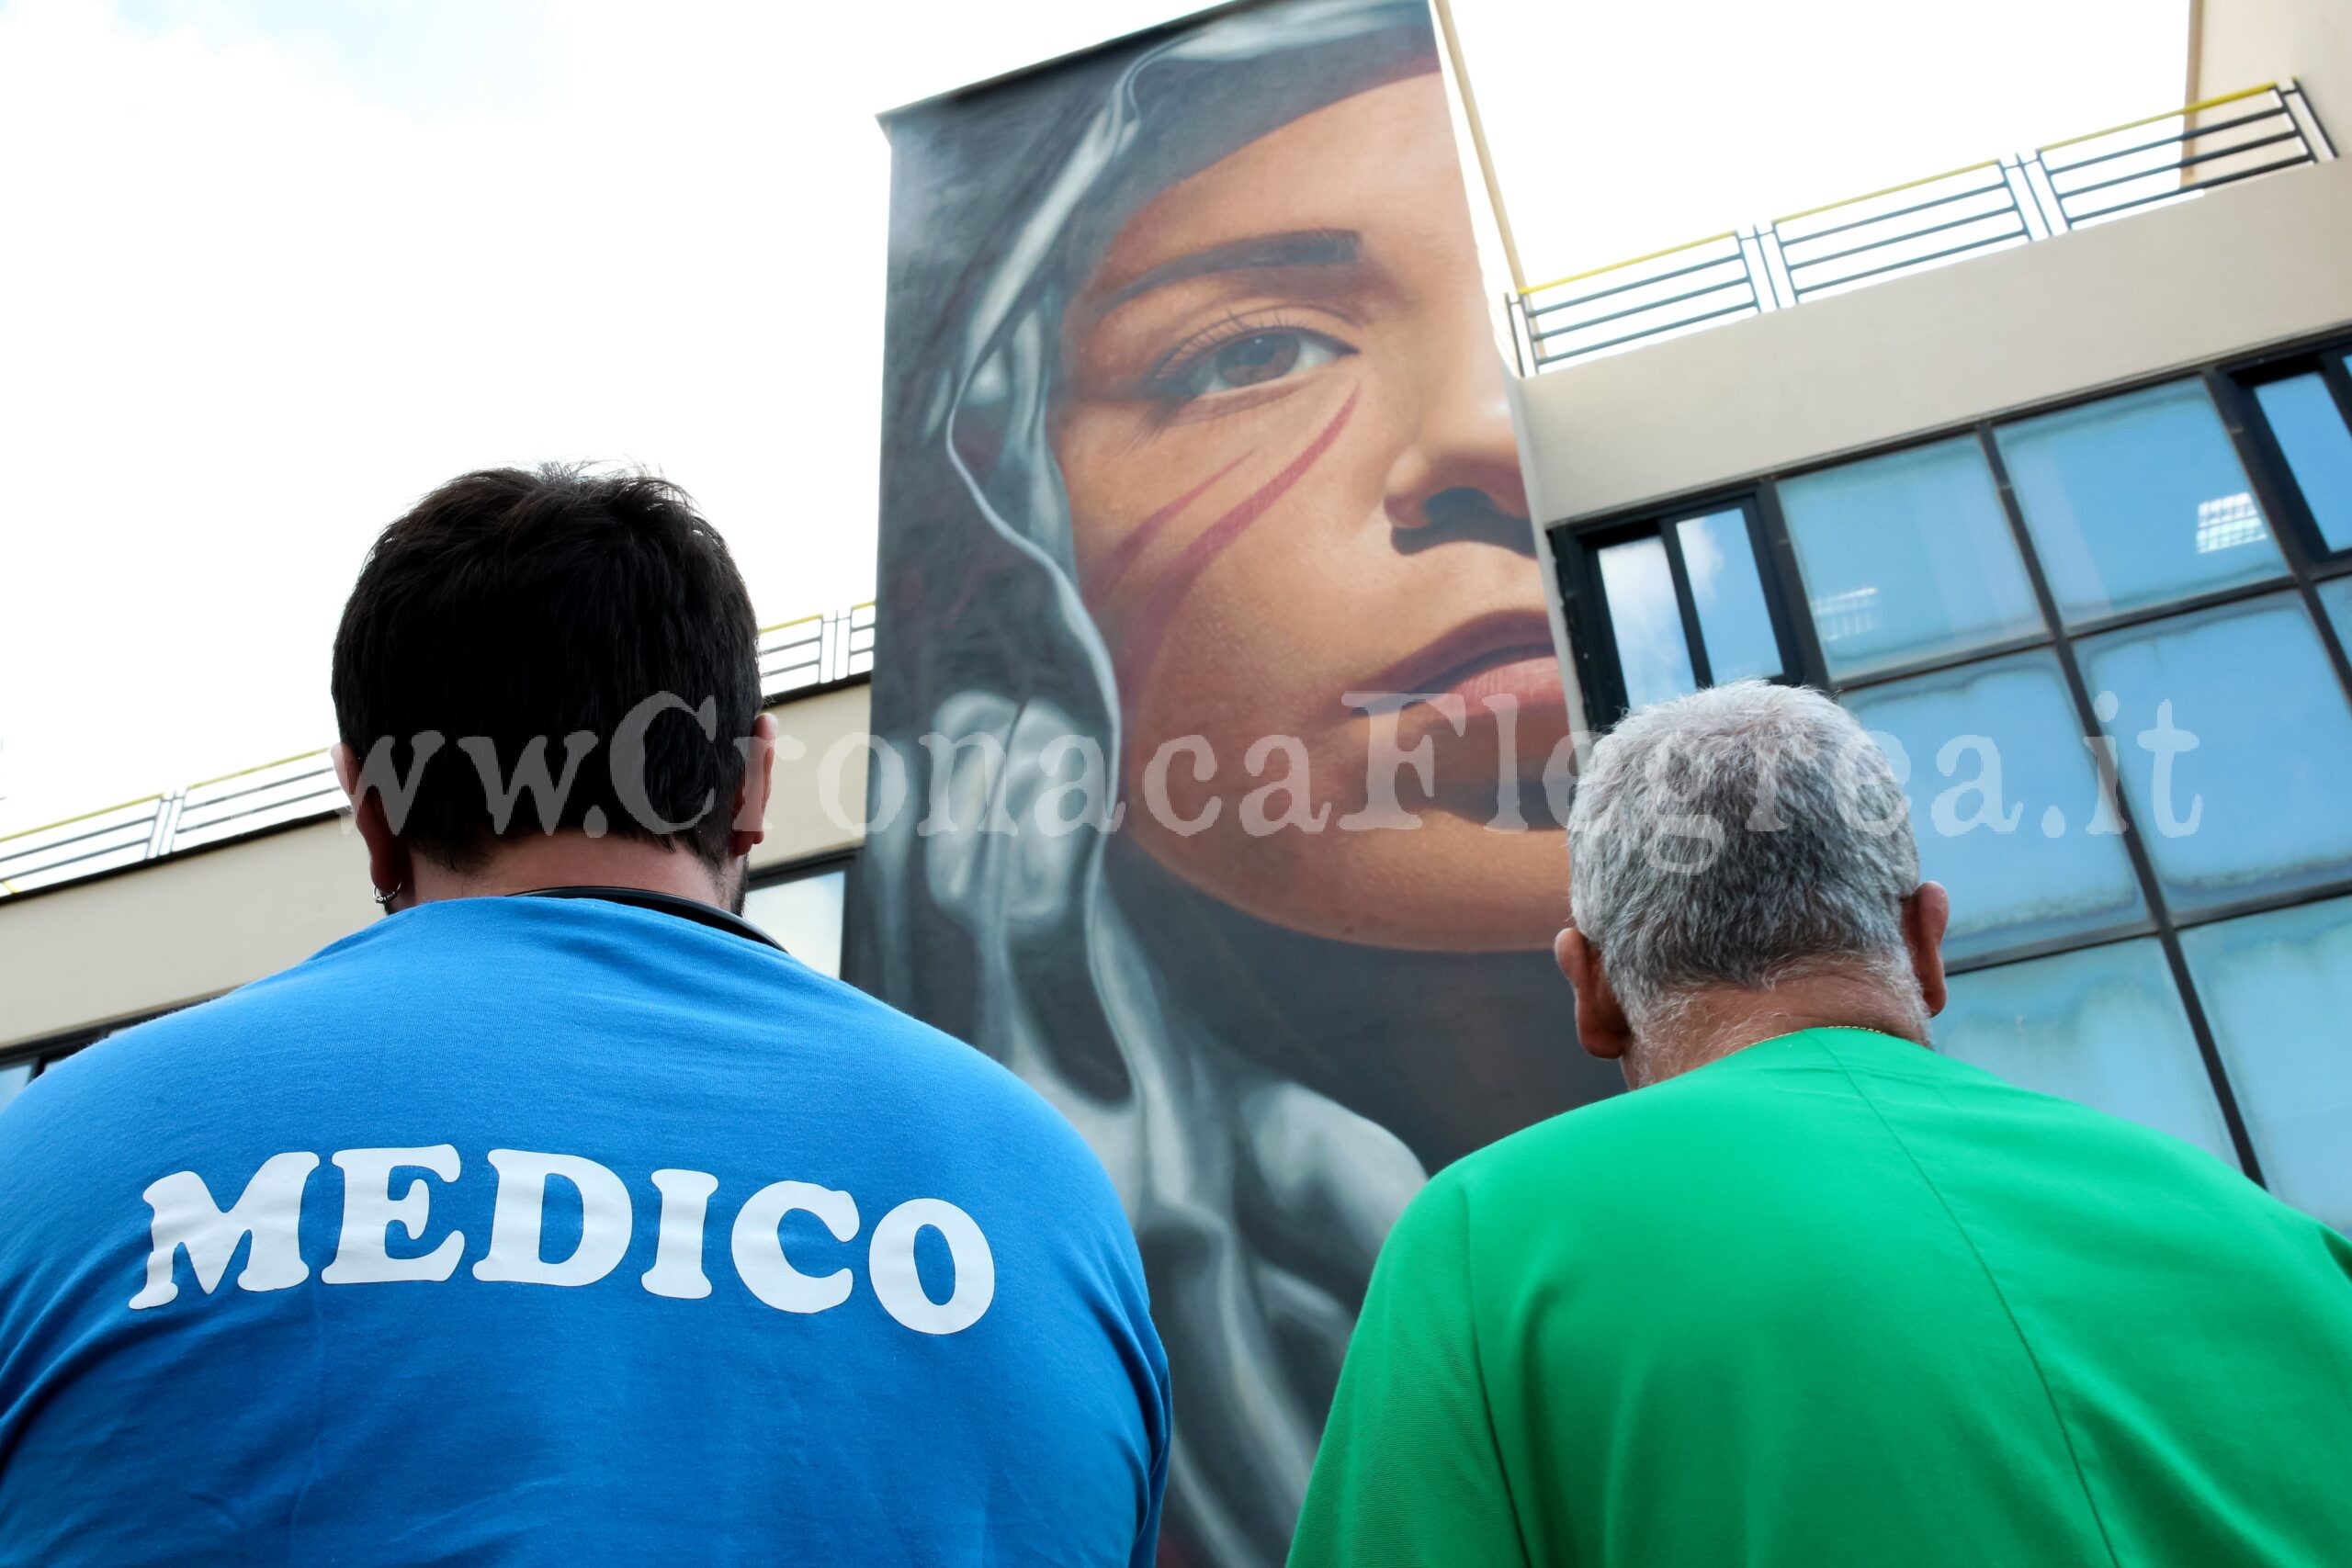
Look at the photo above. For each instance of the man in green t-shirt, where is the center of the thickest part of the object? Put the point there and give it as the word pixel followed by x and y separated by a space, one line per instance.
pixel 1814 1296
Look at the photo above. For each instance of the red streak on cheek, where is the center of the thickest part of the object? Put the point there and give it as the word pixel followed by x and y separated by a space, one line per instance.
pixel 1112 567
pixel 1140 647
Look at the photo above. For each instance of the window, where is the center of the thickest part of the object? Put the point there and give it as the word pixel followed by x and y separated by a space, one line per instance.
pixel 1647 620
pixel 2277 987
pixel 2103 1026
pixel 1719 558
pixel 804 911
pixel 1679 603
pixel 2137 500
pixel 2336 599
pixel 1907 557
pixel 2265 815
pixel 2109 642
pixel 1994 750
pixel 2308 422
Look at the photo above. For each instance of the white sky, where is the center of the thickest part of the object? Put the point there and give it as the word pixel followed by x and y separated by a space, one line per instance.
pixel 276 267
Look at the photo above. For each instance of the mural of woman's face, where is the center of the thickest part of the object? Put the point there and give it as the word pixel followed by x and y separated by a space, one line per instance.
pixel 1293 482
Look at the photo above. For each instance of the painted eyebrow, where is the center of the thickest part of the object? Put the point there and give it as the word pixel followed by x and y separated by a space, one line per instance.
pixel 1312 247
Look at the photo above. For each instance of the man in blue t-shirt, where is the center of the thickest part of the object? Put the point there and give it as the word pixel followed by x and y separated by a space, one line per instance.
pixel 560 1217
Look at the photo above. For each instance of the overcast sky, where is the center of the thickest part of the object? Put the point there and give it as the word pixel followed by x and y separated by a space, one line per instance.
pixel 276 267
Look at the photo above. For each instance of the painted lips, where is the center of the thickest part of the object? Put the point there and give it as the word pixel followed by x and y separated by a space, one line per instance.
pixel 1505 653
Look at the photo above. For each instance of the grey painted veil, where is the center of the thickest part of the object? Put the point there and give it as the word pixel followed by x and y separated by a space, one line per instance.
pixel 1016 941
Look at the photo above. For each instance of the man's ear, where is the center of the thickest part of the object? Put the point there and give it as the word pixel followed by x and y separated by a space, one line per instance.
pixel 1926 914
pixel 752 790
pixel 390 866
pixel 1602 1028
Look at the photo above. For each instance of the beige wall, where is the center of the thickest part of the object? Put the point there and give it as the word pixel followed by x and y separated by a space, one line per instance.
pixel 2238 267
pixel 2238 44
pixel 804 819
pixel 177 930
pixel 191 927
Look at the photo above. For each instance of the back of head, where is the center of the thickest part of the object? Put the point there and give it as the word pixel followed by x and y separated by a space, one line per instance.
pixel 1741 837
pixel 591 625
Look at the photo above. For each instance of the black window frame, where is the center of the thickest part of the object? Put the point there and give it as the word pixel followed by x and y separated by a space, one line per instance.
pixel 843 861
pixel 1592 636
pixel 2307 564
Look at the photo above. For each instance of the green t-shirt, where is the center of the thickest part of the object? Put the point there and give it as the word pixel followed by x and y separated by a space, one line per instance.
pixel 1836 1301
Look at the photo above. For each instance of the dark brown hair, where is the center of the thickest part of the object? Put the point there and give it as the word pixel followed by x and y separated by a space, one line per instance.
pixel 511 612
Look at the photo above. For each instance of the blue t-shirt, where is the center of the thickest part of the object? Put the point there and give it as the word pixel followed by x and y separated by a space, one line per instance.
pixel 538 1231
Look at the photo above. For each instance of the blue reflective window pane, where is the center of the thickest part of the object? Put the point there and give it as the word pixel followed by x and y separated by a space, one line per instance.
pixel 2005 803
pixel 2234 743
pixel 1719 558
pixel 2137 500
pixel 2103 1027
pixel 1908 557
pixel 2336 596
pixel 2311 431
pixel 804 915
pixel 2277 989
pixel 1646 621
pixel 12 1080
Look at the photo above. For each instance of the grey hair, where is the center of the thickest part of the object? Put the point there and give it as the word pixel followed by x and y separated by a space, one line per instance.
pixel 1741 836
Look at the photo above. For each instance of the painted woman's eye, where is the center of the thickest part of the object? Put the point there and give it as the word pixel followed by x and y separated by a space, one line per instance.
pixel 1255 360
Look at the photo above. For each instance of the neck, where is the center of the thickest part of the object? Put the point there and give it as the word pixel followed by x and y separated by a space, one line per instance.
pixel 575 860
pixel 1711 1024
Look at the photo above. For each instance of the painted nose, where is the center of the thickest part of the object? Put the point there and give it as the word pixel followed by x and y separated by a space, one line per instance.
pixel 1463 464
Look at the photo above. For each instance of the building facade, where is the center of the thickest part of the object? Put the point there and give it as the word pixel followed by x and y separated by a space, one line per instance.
pixel 2068 524
pixel 2043 467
